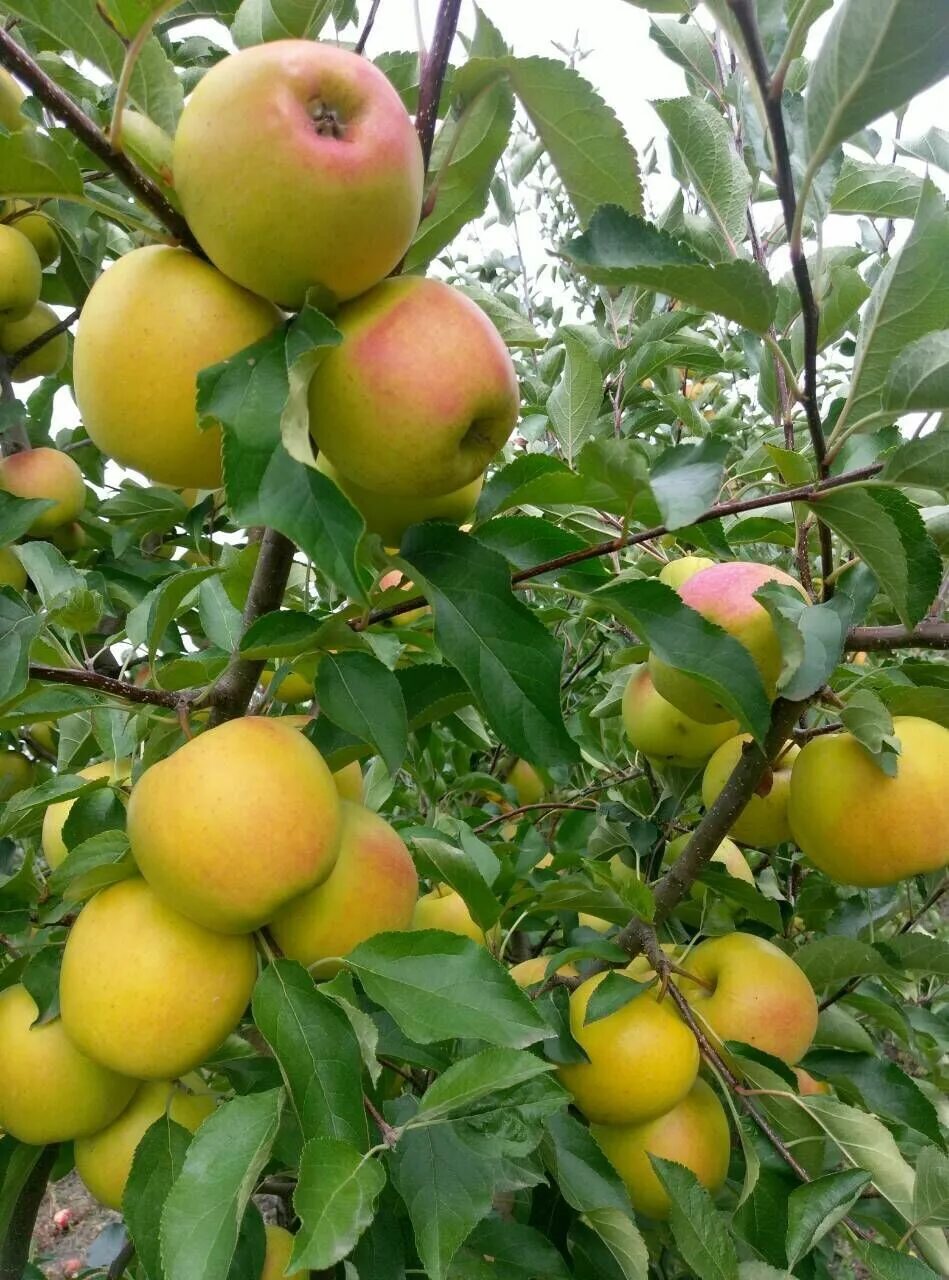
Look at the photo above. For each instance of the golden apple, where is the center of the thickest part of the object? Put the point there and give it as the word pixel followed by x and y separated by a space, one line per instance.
pixel 147 992
pixel 152 149
pixel 529 786
pixel 49 1090
pixel 594 922
pixel 807 1086
pixel 727 855
pixel 764 820
pixel 724 594
pixel 349 782
pixel 11 99
pixel 151 323
pixel 104 1159
pixel 277 1259
pixel 643 1058
pixel 862 827
pixel 443 908
pixel 664 733
pixel 675 572
pixel 16 774
pixel 21 276
pixel 54 819
pixel 16 334
pixel 292 687
pixel 45 473
pixel 37 228
pixel 12 573
pixel 530 972
pixel 297 165
pixel 419 396
pixel 693 1133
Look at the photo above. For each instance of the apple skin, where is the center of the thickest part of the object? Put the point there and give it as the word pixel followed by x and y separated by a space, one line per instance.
pixel 277 1259
pixel 21 275
pixel 529 786
pixel 12 573
pixel 863 828
pixel 390 516
pixel 37 228
pixel 49 1090
pixel 11 98
pixel 45 362
pixel 643 1058
pixel 151 323
pixel 443 908
pixel 45 473
pixel 371 889
pixel 348 780
pixel 261 823
pixel 104 1160
pixel 54 819
pixel 763 822
pixel 694 1133
pixel 152 149
pixel 283 199
pixel 16 774
pixel 727 855
pixel 807 1086
pixel 676 572
pixel 292 687
pixel 760 996
pixel 147 992
pixel 724 594
pixel 664 733
pixel 530 972
pixel 420 395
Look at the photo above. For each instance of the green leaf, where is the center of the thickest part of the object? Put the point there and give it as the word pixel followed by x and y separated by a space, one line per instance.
pixel 620 249
pixel 514 327
pixel 919 376
pixel 205 1207
pixel 222 623
pixel 620 465
pixel 438 986
pixel 681 637
pixel 818 1206
pixel 156 1164
pixel 469 1080
pixel 917 953
pixel 867 718
pixel 335 1200
pixel 106 853
pixel 621 1237
pixel 877 190
pixel 41 979
pixel 587 1180
pixel 34 166
pixel 887 532
pixel 698 1228
pixel 705 147
pixel 931 1194
pixel 460 868
pixel 887 1264
pixel 687 479
pixel 878 1085
pixel 812 639
pixel 148 621
pixel 922 462
pixel 875 56
pixel 17 514
pixel 19 627
pixel 616 990
pixel 833 960
pixel 686 44
pixel 575 402
pixel 285 633
pixel 931 148
pixel 361 695
pixel 317 1051
pixel 258 21
pixel 528 540
pixel 516 1251
pixel 23 812
pixel 506 656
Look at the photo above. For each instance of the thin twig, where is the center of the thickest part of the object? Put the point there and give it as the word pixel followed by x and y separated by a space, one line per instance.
pixel 41 339
pixel 360 45
pixel 114 688
pixel 121 1260
pixel 433 75
pixel 547 806
pixel 389 1135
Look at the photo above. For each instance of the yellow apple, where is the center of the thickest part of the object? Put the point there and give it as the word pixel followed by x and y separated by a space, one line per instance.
pixel 236 823
pixel 69 538
pixel 371 889
pixel 727 855
pixel 529 786
pixel 277 1259
pixel 16 334
pixel 443 908
pixel 104 1159
pixel 152 149
pixel 862 827
pixel 297 165
pixel 45 473
pixel 643 1058
pixel 664 733
pixel 11 99
pixel 807 1086
pixel 49 1090
pixel 16 774
pixel 43 733
pixel 147 992
pixel 21 276
pixel 529 972
pixel 724 594
pixel 419 396
pixel 764 820
pixel 349 782
pixel 12 573
pixel 758 995
pixel 37 228
pixel 594 922
pixel 54 819
pixel 292 687
pixel 675 572
pixel 693 1133
pixel 151 323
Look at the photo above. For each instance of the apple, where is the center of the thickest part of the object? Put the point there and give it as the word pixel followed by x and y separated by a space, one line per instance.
pixel 147 992
pixel 724 594
pixel 758 995
pixel 37 228
pixel 420 394
pixel 395 578
pixel 676 572
pixel 586 921
pixel 277 1258
pixel 443 908
pixel 349 782
pixel 529 786
pixel 16 774
pixel 727 855
pixel 693 1133
pixel 260 825
pixel 389 516
pixel 371 889
pixel 292 686
pixel 43 733
pixel 643 1058
pixel 150 324
pixel 12 98
pixel 12 573
pixel 54 819
pixel 764 820
pixel 104 1159
pixel 530 972
pixel 297 165
pixel 49 1090
pixel 807 1086
pixel 664 733
pixel 16 334
pixel 45 473
pixel 152 149
pixel 21 275
pixel 860 826
pixel 69 538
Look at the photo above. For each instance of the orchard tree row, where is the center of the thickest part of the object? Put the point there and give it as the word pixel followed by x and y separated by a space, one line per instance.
pixel 474 780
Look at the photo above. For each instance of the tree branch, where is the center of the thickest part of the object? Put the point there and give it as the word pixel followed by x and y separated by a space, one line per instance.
pixel 115 688
pixel 433 75
pixel 41 339
pixel 16 59
pixel 15 1246
pixel 547 806
pixel 360 45
pixel 928 634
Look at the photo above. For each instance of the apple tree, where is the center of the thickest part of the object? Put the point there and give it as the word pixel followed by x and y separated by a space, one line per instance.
pixel 474 789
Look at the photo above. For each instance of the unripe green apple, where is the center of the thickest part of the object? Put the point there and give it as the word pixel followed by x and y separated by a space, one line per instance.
pixel 37 228
pixel 147 992
pixel 104 1160
pixel 16 774
pixel 151 323
pixel 54 819
pixel 694 1133
pixel 664 733
pixel 419 396
pixel 643 1058
pixel 277 1259
pixel 297 166
pixel 862 827
pixel 43 733
pixel 764 820
pixel 45 473
pixel 12 573
pixel 251 785
pixel 724 593
pixel 51 356
pixel 49 1090
pixel 529 786
pixel 371 889
pixel 676 572
pixel 21 275
pixel 443 908
pixel 11 98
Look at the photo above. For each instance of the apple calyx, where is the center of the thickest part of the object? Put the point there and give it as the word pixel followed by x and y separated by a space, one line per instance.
pixel 327 120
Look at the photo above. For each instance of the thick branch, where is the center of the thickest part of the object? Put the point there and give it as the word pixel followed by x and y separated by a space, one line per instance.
pixel 15 1246
pixel 115 688
pixel 929 634
pixel 15 58
pixel 433 75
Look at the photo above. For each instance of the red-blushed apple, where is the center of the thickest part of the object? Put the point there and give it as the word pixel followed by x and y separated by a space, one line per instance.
pixel 297 166
pixel 763 822
pixel 21 275
pixel 675 572
pixel 419 396
pixel 150 324
pixel 45 473
pixel 661 731
pixel 51 356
